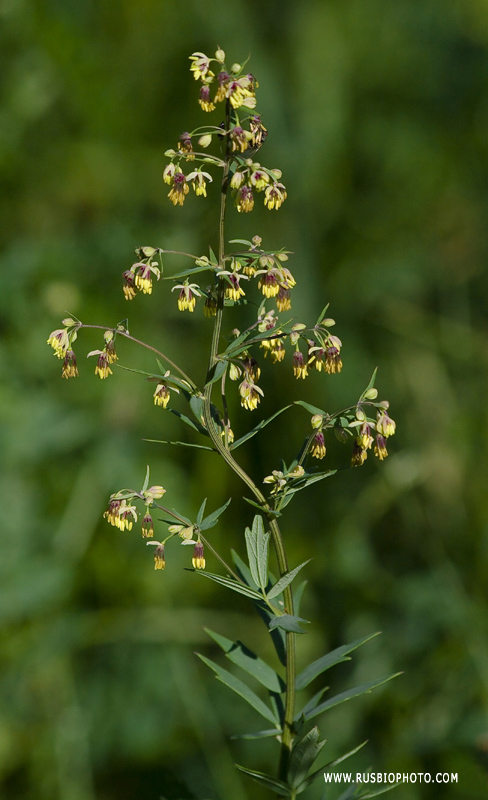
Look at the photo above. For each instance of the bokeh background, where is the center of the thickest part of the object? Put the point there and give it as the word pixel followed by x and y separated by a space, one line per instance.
pixel 377 113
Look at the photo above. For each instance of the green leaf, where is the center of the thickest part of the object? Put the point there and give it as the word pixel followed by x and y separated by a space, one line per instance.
pixel 371 382
pixel 256 430
pixel 266 780
pixel 285 581
pixel 287 622
pixel 240 241
pixel 297 597
pixel 303 755
pixel 349 793
pixel 262 540
pixel 259 735
pixel 212 518
pixel 308 407
pixel 343 758
pixel 240 688
pixel 269 513
pixel 146 480
pixel 196 405
pixel 230 583
pixel 277 634
pixel 322 314
pixel 213 257
pixel 334 657
pixel 243 569
pixel 364 688
pixel 217 371
pixel 257 543
pixel 201 512
pixel 249 662
pixel 383 790
pixel 197 426
pixel 182 444
pixel 312 703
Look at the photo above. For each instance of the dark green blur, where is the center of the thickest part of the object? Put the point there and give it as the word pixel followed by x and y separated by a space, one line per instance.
pixel 377 112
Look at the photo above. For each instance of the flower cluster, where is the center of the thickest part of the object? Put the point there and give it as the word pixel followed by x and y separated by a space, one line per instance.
pixel 140 275
pixel 237 89
pixel 106 356
pixel 61 340
pixel 384 427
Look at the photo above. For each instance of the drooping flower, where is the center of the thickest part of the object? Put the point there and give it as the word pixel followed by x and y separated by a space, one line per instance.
pixel 268 283
pixel 359 455
pixel 239 138
pixel 59 341
pixel 318 445
pixel 70 370
pixel 249 393
pixel 102 368
pixel 233 289
pixel 364 438
pixel 120 514
pixel 161 395
pixel 384 423
pixel 258 131
pixel 316 356
pixel 380 450
pixel 179 189
pixel 159 560
pixel 187 297
pixel 147 526
pixel 204 99
pixel 198 559
pixel 244 199
pixel 300 369
pixel 199 180
pixel 333 361
pixel 200 65
pixel 277 479
pixel 185 146
pixel 275 196
pixel 283 299
pixel 129 285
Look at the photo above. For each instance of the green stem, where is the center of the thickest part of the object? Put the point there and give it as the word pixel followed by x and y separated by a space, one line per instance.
pixel 223 450
pixel 147 346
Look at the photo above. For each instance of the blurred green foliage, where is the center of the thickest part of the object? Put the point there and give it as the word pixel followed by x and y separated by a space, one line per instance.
pixel 377 113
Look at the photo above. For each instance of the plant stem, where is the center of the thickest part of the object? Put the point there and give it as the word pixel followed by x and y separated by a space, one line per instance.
pixel 223 450
pixel 147 346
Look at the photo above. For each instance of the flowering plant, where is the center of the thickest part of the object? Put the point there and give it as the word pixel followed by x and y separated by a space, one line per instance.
pixel 245 269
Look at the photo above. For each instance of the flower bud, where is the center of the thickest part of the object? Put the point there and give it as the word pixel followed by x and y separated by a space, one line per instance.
pixel 220 55
pixel 205 140
pixel 236 68
pixel 371 394
pixel 316 421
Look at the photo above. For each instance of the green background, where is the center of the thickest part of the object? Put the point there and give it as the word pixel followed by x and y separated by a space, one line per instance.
pixel 377 113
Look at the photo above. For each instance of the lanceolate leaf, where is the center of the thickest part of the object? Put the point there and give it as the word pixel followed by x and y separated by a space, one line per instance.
pixel 308 407
pixel 262 548
pixel 182 444
pixel 303 755
pixel 249 661
pixel 364 688
pixel 270 514
pixel 218 371
pixel 212 518
pixel 312 703
pixel 230 583
pixel 334 657
pixel 266 780
pixel 287 622
pixel 196 405
pixel 256 430
pixel 258 735
pixel 197 426
pixel 298 594
pixel 240 688
pixel 242 568
pixel 285 581
pixel 331 764
pixel 201 512
pixel 257 543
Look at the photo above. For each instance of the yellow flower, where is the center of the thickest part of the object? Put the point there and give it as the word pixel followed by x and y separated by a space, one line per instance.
pixel 198 559
pixel 147 526
pixel 249 394
pixel 384 424
pixel 300 369
pixel 244 199
pixel 318 445
pixel 204 99
pixel 275 196
pixel 59 341
pixel 161 395
pixel 159 561
pixel 333 361
pixel 380 450
pixel 198 179
pixel 200 65
pixel 187 297
pixel 179 190
pixel 359 455
pixel 70 370
pixel 259 179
